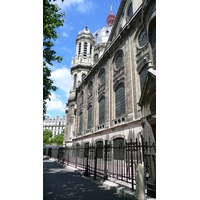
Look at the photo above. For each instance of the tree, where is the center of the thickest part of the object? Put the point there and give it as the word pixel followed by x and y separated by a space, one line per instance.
pixel 52 19
pixel 47 135
pixel 58 139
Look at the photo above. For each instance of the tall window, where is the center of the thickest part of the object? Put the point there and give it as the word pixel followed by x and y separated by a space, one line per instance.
pixel 153 43
pixel 85 49
pixel 102 77
pixel 118 144
pixel 86 149
pixel 89 117
pixel 102 110
pixel 90 49
pixel 96 57
pixel 120 100
pixel 130 10
pixel 99 149
pixel 75 76
pixel 90 89
pixel 83 76
pixel 80 123
pixel 79 48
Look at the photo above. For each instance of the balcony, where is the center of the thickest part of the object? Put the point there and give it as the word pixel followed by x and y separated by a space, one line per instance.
pixel 119 120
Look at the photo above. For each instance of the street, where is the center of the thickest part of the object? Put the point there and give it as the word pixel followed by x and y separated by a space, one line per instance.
pixel 59 183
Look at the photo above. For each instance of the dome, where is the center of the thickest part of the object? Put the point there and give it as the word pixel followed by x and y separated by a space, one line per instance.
pixel 85 31
pixel 102 35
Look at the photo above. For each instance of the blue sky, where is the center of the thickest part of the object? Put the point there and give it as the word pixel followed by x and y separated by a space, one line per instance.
pixel 78 14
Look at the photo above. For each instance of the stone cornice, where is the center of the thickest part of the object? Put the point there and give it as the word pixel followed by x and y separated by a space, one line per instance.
pixel 79 66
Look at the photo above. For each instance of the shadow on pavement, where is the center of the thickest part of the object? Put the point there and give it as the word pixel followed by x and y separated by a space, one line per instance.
pixel 58 184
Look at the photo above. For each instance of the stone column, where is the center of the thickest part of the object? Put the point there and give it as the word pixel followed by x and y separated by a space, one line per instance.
pixel 88 48
pixel 82 47
pixel 77 49
pixel 92 55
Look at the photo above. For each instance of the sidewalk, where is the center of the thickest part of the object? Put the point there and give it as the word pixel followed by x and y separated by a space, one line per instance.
pixel 118 186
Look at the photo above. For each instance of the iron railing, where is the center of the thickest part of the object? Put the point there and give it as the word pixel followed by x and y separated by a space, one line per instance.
pixel 108 161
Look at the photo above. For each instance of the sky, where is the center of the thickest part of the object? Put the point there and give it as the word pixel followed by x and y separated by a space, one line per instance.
pixel 78 15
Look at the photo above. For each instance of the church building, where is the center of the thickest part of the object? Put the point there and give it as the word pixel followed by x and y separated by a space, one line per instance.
pixel 113 79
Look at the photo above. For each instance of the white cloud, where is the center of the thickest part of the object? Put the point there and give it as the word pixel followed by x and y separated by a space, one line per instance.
pixel 65 34
pixel 83 6
pixel 55 103
pixel 62 79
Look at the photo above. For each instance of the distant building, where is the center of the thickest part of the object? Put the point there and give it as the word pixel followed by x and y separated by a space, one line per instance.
pixel 56 125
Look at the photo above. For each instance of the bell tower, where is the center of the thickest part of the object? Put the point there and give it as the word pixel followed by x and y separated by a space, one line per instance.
pixel 80 66
pixel 83 61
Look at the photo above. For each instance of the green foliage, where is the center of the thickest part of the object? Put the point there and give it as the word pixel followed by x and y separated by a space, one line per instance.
pixel 58 139
pixel 47 135
pixel 52 19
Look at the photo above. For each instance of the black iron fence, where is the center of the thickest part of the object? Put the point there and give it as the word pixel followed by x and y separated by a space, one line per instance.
pixel 117 161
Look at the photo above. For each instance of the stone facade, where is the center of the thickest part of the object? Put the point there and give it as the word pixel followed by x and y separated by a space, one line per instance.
pixel 110 101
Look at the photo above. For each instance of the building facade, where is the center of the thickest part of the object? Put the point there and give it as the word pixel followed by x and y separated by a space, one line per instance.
pixel 55 124
pixel 112 72
pixel 113 89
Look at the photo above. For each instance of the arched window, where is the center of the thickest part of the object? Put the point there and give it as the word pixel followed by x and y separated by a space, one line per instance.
pixel 153 43
pixel 120 100
pixel 99 149
pixel 80 123
pixel 90 87
pixel 75 76
pixel 118 144
pixel 85 49
pixel 79 48
pixel 83 76
pixel 102 110
pixel 118 61
pixel 89 117
pixel 102 77
pixel 130 10
pixel 96 57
